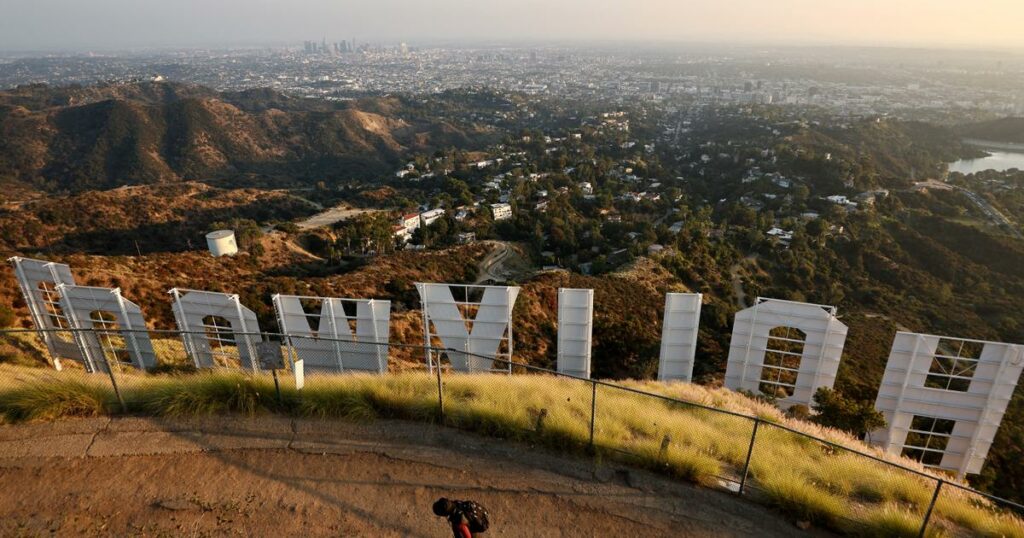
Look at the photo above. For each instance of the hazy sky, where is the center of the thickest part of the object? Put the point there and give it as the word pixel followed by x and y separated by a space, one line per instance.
pixel 105 24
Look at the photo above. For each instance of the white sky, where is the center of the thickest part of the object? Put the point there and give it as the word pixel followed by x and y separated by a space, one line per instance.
pixel 84 24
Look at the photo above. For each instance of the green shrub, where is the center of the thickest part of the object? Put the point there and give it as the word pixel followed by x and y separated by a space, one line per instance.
pixel 837 411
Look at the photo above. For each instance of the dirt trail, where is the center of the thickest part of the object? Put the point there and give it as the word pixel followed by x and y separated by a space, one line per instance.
pixel 737 279
pixel 331 215
pixel 273 476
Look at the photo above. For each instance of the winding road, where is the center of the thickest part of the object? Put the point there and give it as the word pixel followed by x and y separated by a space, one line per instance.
pixel 492 266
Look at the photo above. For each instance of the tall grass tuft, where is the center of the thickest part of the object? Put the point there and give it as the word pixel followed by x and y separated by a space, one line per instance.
pixel 685 463
pixel 795 495
pixel 207 394
pixel 53 399
pixel 365 397
pixel 349 405
pixel 892 521
pixel 970 511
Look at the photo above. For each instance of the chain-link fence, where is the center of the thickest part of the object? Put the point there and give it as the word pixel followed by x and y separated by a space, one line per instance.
pixel 187 373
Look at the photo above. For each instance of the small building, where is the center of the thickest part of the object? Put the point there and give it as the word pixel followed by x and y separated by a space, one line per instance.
pixel 839 199
pixel 465 238
pixel 429 217
pixel 631 197
pixel 783 236
pixel 410 221
pixel 401 233
pixel 501 211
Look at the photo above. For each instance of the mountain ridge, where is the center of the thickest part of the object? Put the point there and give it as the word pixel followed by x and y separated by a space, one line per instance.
pixel 1006 130
pixel 74 139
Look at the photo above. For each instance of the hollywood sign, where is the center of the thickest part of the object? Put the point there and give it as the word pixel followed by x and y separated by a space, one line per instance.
pixel 943 398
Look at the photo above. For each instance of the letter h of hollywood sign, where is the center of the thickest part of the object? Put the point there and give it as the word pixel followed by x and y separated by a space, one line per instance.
pixel 943 398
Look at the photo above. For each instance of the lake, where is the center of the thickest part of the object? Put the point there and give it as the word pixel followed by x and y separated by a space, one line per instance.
pixel 997 160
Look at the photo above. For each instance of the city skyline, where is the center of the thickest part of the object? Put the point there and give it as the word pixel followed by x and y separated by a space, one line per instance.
pixel 119 24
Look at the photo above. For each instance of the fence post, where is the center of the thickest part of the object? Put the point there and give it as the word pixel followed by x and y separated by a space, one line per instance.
pixel 593 411
pixel 440 393
pixel 277 385
pixel 931 506
pixel 750 452
pixel 113 381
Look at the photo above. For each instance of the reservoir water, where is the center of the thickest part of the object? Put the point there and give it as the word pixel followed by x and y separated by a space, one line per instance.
pixel 997 160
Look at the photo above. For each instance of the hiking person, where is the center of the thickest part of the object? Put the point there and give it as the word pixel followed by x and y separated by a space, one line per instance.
pixel 467 518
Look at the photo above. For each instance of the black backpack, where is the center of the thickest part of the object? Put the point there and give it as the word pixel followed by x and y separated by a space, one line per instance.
pixel 476 515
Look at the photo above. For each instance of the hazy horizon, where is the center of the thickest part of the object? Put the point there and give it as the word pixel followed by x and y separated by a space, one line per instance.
pixel 124 24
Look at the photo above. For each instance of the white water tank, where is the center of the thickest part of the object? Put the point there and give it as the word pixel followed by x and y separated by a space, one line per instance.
pixel 222 243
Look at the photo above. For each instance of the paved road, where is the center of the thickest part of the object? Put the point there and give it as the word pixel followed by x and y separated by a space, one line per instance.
pixel 492 266
pixel 273 476
pixel 991 212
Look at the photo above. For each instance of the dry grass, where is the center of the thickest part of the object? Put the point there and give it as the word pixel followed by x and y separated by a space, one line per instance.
pixel 50 399
pixel 967 510
pixel 800 476
pixel 892 521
